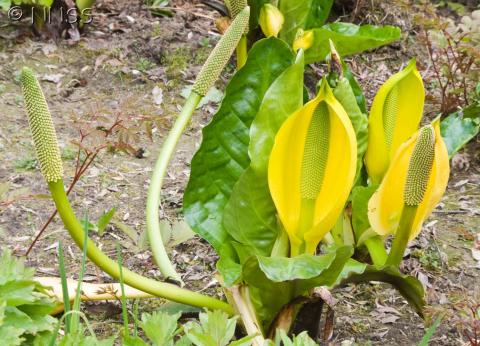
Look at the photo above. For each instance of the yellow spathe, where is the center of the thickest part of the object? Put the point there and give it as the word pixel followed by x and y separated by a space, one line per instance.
pixel 311 173
pixel 394 116
pixel 386 205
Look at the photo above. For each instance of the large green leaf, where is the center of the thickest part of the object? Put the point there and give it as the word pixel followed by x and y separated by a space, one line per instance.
pixel 284 97
pixel 349 39
pixel 458 131
pixel 330 275
pixel 279 269
pixel 304 14
pixel 268 297
pixel 360 197
pixel 344 94
pixel 250 214
pixel 408 286
pixel 289 278
pixel 223 154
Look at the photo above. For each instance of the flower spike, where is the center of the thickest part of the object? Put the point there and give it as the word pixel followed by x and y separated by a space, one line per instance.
pixel 413 185
pixel 311 170
pixel 394 116
pixel 221 54
pixel 41 126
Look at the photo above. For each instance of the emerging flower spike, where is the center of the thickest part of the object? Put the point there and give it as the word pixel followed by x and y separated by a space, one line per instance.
pixel 417 177
pixel 303 40
pixel 394 116
pixel 221 53
pixel 311 170
pixel 41 126
pixel 271 20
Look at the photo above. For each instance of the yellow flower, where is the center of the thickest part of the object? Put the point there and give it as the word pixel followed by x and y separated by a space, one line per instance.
pixel 417 177
pixel 394 116
pixel 271 20
pixel 303 40
pixel 311 170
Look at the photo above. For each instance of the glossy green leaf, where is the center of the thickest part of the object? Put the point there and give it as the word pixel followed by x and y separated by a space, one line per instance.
pixel 356 88
pixel 250 214
pixel 279 269
pixel 349 39
pixel 304 14
pixel 223 154
pixel 330 275
pixel 408 286
pixel 457 131
pixel 266 304
pixel 360 197
pixel 283 98
pixel 344 94
pixel 293 277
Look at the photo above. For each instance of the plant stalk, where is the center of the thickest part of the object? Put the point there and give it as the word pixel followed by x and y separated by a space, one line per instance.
pixel 155 189
pixel 402 235
pixel 243 305
pixel 156 288
pixel 377 250
pixel 242 52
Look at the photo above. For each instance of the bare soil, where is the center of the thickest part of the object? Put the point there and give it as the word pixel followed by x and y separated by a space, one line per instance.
pixel 110 74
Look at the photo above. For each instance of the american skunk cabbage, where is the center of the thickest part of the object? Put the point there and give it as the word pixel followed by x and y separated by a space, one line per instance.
pixel 414 184
pixel 394 116
pixel 311 170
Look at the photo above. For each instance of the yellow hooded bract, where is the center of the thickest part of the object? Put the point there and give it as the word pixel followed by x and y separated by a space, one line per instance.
pixel 394 116
pixel 387 203
pixel 311 170
pixel 303 40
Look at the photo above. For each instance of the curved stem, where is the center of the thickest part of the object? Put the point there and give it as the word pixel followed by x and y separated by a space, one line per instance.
pixel 154 191
pixel 242 52
pixel 402 235
pixel 156 288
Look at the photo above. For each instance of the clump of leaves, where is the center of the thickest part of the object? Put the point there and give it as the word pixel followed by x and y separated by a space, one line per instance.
pixel 24 305
pixel 213 329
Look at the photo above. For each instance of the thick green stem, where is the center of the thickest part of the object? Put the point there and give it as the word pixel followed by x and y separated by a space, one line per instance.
pixel 242 52
pixel 377 250
pixel 402 235
pixel 155 189
pixel 156 288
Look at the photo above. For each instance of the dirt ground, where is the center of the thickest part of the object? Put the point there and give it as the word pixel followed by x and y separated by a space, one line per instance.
pixel 119 70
